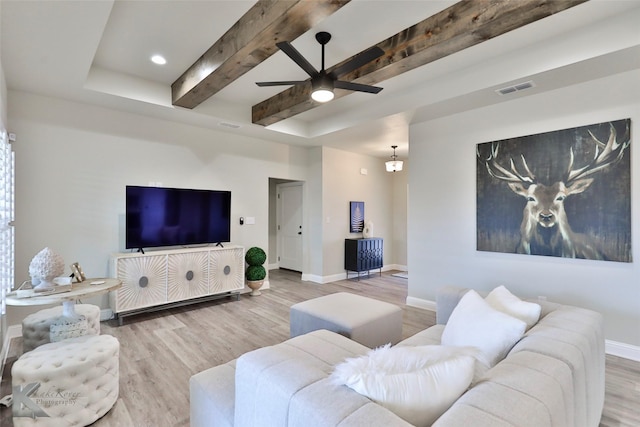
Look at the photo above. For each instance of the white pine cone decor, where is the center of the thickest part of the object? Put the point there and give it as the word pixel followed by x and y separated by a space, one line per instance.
pixel 45 266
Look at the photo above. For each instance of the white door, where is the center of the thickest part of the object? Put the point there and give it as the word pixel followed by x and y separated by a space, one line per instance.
pixel 290 226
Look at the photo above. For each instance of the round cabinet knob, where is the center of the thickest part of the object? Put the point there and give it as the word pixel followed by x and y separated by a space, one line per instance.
pixel 189 275
pixel 143 282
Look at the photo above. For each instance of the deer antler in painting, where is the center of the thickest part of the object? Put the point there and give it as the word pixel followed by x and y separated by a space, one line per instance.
pixel 605 155
pixel 499 172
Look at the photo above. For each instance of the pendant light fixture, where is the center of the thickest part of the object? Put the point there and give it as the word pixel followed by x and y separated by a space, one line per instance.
pixel 394 164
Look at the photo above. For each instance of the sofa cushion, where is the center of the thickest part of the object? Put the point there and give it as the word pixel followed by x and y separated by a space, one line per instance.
pixel 323 404
pixel 475 323
pixel 287 384
pixel 429 336
pixel 502 300
pixel 416 383
pixel 575 337
pixel 525 390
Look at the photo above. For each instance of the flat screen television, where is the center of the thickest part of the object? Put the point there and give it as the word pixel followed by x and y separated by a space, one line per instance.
pixel 157 216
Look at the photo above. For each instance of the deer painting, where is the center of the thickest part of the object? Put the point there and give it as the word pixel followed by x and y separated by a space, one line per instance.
pixel 545 227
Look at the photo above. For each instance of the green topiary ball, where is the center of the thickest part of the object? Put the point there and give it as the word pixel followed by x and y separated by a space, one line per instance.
pixel 255 272
pixel 255 256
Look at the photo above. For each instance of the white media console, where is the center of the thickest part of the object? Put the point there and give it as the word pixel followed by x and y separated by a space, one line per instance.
pixel 159 279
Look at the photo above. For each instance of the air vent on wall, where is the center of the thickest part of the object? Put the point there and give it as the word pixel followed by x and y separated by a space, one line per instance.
pixel 516 88
pixel 229 125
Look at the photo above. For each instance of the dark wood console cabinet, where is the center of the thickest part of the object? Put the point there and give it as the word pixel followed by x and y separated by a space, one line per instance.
pixel 363 255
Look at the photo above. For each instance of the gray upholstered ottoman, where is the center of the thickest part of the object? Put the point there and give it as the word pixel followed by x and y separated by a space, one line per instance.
pixel 368 321
pixel 36 326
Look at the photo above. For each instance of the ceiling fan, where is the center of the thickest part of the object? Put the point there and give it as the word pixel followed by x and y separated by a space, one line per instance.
pixel 323 83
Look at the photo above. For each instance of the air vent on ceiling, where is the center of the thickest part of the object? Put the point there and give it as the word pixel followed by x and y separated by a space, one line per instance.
pixel 229 125
pixel 516 88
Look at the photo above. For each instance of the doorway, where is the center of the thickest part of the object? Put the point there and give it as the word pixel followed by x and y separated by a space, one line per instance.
pixel 289 226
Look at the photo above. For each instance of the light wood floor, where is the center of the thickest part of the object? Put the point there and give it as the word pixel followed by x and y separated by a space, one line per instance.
pixel 160 351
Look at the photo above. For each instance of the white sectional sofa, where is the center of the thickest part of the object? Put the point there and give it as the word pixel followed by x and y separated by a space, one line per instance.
pixel 553 376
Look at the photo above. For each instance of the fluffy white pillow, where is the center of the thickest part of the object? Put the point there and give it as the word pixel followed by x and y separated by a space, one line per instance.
pixel 475 323
pixel 502 300
pixel 416 383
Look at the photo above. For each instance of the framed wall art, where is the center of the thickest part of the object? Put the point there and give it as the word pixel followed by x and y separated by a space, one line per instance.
pixel 565 193
pixel 356 222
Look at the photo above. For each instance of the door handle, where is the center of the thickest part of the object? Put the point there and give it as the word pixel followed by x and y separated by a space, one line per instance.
pixel 299 232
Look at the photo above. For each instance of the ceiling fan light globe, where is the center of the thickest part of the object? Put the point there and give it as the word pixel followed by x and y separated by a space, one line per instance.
pixel 322 95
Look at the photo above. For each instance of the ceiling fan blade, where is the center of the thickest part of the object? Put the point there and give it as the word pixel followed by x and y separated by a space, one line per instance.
pixel 358 61
pixel 292 53
pixel 284 83
pixel 356 86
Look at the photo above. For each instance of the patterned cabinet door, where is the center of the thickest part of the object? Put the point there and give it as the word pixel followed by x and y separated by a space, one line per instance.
pixel 188 275
pixel 226 268
pixel 144 282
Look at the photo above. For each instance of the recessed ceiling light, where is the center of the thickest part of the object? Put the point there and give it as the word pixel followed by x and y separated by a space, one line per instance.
pixel 158 59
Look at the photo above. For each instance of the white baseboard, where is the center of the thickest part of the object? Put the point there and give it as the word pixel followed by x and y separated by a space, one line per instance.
pixel 395 267
pixel 343 276
pixel 421 303
pixel 614 348
pixel 620 349
pixel 310 278
pixel 322 279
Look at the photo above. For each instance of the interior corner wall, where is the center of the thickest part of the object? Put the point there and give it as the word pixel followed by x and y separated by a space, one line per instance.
pixel 73 162
pixel 399 203
pixel 313 254
pixel 442 212
pixel 343 181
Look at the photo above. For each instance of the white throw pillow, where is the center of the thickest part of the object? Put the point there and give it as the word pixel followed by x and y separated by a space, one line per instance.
pixel 416 383
pixel 475 323
pixel 502 300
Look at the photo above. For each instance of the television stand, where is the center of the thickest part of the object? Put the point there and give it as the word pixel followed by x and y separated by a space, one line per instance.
pixel 120 316
pixel 160 279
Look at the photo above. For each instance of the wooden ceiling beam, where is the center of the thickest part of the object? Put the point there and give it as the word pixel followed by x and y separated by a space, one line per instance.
pixel 458 27
pixel 247 43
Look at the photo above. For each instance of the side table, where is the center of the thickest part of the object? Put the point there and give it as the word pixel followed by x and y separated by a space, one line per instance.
pixel 70 324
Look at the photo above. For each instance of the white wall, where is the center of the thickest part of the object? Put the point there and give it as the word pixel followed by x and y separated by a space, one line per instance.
pixel 73 162
pixel 442 212
pixel 343 182
pixel 399 230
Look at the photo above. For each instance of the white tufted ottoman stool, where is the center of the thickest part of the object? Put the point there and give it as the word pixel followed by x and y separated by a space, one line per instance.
pixel 68 383
pixel 36 326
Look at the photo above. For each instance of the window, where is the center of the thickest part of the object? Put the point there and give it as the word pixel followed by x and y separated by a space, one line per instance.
pixel 7 257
